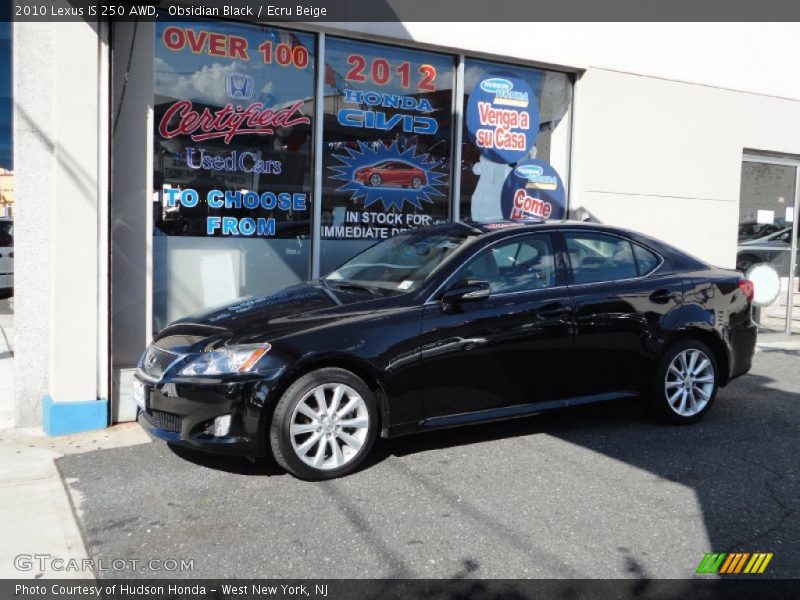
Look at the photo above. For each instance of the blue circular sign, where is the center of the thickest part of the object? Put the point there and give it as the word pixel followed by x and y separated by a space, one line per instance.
pixel 503 118
pixel 533 190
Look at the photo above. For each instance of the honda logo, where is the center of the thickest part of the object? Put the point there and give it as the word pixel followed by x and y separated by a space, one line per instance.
pixel 238 86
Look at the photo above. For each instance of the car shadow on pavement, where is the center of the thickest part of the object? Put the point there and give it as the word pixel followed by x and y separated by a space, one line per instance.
pixel 740 460
pixel 237 465
pixel 647 491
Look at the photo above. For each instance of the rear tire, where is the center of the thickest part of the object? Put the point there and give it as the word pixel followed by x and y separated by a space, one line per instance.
pixel 685 384
pixel 324 425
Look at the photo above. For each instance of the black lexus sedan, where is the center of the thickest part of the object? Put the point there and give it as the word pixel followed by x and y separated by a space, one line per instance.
pixel 444 326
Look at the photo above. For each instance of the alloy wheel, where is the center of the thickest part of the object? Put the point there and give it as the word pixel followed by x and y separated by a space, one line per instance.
pixel 689 382
pixel 375 180
pixel 416 183
pixel 329 426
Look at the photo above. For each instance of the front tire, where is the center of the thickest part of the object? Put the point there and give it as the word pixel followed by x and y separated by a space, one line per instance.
pixel 324 425
pixel 685 383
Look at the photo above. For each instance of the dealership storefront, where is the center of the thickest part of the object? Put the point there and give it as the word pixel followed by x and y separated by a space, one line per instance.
pixel 226 160
pixel 278 153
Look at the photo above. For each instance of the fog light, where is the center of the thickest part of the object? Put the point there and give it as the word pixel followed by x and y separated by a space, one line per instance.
pixel 220 426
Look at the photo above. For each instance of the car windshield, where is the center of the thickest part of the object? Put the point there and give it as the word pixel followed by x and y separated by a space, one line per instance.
pixel 400 264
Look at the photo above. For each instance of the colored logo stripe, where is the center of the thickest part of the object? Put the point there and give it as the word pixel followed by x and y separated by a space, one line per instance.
pixel 735 562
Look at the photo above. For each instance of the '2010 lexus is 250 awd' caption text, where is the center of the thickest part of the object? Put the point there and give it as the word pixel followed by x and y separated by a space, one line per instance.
pixel 444 326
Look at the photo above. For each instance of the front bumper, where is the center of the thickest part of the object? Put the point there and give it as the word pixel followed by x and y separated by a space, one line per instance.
pixel 179 410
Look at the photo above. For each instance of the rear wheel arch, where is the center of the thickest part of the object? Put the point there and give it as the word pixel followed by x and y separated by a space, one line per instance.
pixel 710 339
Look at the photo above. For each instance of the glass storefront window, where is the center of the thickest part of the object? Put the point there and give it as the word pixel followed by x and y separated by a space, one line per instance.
pixel 232 163
pixel 767 240
pixel 234 153
pixel 515 142
pixel 386 147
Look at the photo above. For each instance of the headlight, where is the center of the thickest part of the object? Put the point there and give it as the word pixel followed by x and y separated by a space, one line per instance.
pixel 235 359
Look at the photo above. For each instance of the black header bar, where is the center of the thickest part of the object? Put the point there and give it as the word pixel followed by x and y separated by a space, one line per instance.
pixel 326 11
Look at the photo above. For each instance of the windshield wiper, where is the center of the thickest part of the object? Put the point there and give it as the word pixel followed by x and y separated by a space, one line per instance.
pixel 348 285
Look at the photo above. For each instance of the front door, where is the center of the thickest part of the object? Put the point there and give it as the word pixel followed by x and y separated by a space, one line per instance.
pixel 512 348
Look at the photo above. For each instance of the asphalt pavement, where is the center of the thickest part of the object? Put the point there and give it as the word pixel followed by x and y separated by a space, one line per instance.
pixel 597 491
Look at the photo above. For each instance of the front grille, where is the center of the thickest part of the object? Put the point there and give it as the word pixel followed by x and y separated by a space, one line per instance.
pixel 156 361
pixel 164 420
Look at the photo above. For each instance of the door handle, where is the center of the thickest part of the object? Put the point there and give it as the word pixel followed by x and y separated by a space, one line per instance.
pixel 661 296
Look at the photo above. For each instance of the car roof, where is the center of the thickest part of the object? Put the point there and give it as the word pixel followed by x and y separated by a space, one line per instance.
pixel 503 228
pixel 492 227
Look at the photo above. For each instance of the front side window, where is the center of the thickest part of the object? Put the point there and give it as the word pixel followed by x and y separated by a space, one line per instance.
pixel 597 257
pixel 523 264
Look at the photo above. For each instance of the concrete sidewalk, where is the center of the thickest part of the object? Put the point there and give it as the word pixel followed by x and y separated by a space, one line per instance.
pixel 37 516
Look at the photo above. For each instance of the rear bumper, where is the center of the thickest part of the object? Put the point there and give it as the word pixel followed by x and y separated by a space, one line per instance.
pixel 743 346
pixel 180 412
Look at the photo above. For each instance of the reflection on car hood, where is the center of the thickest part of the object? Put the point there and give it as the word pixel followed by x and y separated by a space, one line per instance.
pixel 263 318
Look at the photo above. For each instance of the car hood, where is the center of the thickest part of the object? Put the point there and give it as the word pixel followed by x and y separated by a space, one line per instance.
pixel 265 318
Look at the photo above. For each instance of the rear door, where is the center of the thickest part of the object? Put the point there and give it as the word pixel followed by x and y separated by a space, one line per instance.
pixel 512 348
pixel 622 309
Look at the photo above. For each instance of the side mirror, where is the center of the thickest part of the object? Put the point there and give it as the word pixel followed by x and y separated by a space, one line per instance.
pixel 467 290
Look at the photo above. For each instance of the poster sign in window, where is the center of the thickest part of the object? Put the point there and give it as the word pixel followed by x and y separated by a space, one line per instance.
pixel 503 118
pixel 533 191
pixel 233 130
pixel 386 140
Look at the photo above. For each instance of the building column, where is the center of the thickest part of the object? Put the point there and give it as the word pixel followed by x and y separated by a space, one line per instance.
pixel 57 229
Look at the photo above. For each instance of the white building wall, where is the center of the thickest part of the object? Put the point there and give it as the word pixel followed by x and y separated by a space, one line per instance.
pixel 665 157
pixel 754 57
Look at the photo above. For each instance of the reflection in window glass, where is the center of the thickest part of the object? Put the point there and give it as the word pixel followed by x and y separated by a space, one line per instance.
pixel 521 265
pixel 519 117
pixel 646 261
pixel 386 144
pixel 597 257
pixel 766 220
pixel 6 234
pixel 401 263
pixel 232 163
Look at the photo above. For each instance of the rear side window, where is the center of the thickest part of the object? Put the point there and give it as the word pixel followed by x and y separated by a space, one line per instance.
pixel 597 257
pixel 645 260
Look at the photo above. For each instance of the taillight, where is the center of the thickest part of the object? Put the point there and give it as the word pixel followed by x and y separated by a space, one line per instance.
pixel 747 287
